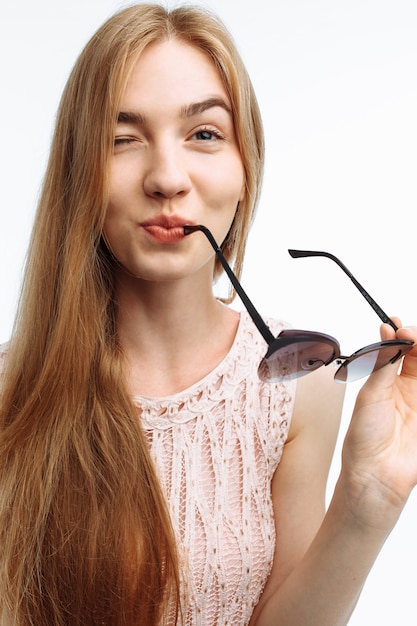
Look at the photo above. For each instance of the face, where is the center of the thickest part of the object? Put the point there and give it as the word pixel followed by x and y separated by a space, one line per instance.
pixel 175 162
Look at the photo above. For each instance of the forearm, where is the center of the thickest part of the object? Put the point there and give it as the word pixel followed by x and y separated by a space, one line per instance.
pixel 324 587
pixel 320 585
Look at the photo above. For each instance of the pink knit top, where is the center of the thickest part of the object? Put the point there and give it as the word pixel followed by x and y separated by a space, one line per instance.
pixel 216 446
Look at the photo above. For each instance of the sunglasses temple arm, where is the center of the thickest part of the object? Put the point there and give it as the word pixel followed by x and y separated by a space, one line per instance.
pixel 381 314
pixel 257 319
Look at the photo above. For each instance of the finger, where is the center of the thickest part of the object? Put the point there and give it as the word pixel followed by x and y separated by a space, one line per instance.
pixel 386 375
pixel 387 331
pixel 407 332
pixel 409 367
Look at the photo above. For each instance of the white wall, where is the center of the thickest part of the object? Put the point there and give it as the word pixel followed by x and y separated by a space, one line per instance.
pixel 336 81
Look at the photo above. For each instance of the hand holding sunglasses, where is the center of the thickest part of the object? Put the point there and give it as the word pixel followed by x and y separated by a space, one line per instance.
pixel 295 353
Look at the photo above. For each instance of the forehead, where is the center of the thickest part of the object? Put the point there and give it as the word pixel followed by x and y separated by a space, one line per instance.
pixel 172 70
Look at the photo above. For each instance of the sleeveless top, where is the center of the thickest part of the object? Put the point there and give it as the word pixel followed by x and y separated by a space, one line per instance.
pixel 216 446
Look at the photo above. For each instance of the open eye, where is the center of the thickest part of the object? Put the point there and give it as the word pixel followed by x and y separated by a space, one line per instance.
pixel 208 134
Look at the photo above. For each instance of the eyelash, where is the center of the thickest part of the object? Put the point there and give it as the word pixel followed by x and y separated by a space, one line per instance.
pixel 209 131
pixel 118 141
pixel 216 135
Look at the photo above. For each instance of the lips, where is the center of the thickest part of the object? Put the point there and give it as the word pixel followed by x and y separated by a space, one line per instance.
pixel 165 229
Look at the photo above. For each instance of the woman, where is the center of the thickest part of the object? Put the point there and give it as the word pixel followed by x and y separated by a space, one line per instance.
pixel 148 475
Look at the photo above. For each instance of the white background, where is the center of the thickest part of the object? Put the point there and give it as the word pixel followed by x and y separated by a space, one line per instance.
pixel 336 82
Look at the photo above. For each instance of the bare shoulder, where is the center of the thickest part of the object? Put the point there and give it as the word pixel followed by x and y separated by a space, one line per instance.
pixel 318 403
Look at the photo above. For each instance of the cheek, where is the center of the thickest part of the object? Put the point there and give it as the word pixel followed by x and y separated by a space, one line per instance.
pixel 123 177
pixel 119 196
pixel 109 234
pixel 229 181
pixel 237 174
pixel 115 221
pixel 117 182
pixel 115 202
pixel 111 217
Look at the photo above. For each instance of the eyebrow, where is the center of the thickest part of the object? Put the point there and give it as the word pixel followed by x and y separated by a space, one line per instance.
pixel 188 110
pixel 196 108
pixel 129 117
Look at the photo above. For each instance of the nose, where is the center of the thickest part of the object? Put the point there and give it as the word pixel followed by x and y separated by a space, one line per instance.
pixel 167 174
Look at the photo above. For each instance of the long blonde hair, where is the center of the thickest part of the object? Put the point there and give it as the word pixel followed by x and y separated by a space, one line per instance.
pixel 85 535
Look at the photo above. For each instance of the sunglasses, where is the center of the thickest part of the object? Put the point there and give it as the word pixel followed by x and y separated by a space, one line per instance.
pixel 295 353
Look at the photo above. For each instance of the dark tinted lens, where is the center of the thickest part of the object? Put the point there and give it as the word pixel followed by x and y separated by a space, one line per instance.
pixel 370 359
pixel 295 360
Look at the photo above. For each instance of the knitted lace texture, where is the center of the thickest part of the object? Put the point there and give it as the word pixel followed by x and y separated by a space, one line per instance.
pixel 216 446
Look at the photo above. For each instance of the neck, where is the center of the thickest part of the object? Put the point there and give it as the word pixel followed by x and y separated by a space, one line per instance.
pixel 172 334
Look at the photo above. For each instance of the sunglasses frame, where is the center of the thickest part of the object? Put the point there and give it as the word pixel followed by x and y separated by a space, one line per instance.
pixel 293 336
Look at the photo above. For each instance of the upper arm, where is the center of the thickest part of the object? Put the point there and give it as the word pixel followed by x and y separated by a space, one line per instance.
pixel 299 483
